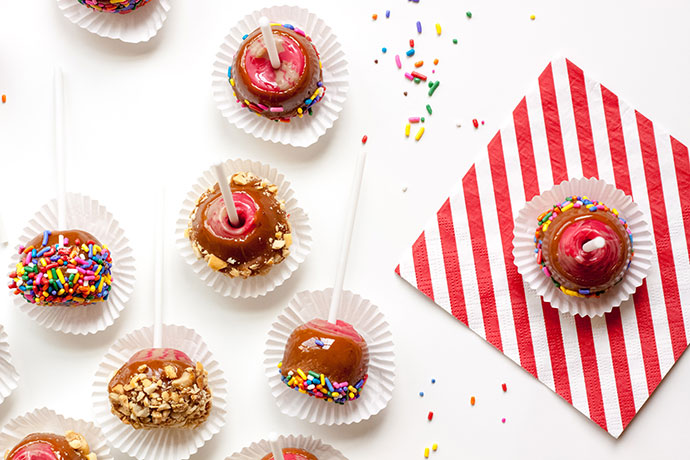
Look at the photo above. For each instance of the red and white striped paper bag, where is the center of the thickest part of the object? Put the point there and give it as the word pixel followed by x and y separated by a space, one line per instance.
pixel 567 126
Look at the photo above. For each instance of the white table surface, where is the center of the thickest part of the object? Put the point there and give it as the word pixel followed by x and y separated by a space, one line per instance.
pixel 144 114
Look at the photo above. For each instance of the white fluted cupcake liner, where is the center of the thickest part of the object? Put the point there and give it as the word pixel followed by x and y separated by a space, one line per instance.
pixel 299 132
pixel 8 374
pixel 253 286
pixel 137 26
pixel 369 322
pixel 258 450
pixel 84 213
pixel 162 443
pixel 525 257
pixel 47 421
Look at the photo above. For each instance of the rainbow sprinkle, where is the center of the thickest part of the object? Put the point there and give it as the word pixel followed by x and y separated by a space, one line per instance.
pixel 114 6
pixel 63 274
pixel 319 386
pixel 571 203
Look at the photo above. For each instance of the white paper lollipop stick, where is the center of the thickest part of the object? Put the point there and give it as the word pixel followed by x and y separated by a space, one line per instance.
pixel 158 261
pixel 596 243
pixel 276 446
pixel 347 238
pixel 58 106
pixel 269 42
pixel 222 178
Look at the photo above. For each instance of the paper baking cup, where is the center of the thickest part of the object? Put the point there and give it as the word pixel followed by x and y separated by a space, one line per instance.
pixel 260 449
pixel 257 285
pixel 525 257
pixel 162 443
pixel 87 214
pixel 300 132
pixel 8 374
pixel 47 421
pixel 371 325
pixel 133 27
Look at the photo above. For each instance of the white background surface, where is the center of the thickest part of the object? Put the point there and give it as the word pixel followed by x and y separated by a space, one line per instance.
pixel 138 115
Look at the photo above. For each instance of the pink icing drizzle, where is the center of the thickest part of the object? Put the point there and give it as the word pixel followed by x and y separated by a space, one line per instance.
pixel 588 267
pixel 341 328
pixel 35 451
pixel 160 354
pixel 262 74
pixel 219 223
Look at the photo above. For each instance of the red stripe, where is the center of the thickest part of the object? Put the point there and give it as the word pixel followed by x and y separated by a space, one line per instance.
pixel 682 162
pixel 661 235
pixel 650 355
pixel 523 135
pixel 552 122
pixel 421 266
pixel 397 269
pixel 515 283
pixel 446 230
pixel 643 311
pixel 481 259
pixel 583 123
pixel 616 141
pixel 590 369
pixel 554 336
pixel 620 366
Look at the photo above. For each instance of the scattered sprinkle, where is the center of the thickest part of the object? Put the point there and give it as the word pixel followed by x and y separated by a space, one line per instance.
pixel 455 41
pixel 428 109
pixel 421 394
pixel 533 17
pixel 397 61
pixel 430 416
pixel 434 446
pixel 374 17
pixel 438 29
pixel 472 400
pixel 475 123
pixel 384 49
pixel 376 61
pixel 435 61
pixel 417 137
pixel 407 130
pixel 388 14
pixel 469 15
pixel 404 93
pixel 433 88
pixel 364 139
pixel 410 52
pixel 503 420
pixel 482 122
pixel 433 380
pixel 426 452
pixel 422 119
pixel 419 63
pixel 504 387
pixel 419 27
pixel 416 74
pixel 4 98
pixel 411 42
pixel 414 119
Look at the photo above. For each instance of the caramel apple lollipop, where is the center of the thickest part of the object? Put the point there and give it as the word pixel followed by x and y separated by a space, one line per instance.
pixel 160 387
pixel 276 72
pixel 67 268
pixel 48 446
pixel 329 359
pixel 260 236
pixel 583 246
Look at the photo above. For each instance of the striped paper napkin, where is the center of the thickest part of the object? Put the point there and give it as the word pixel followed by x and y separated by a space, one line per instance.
pixel 567 126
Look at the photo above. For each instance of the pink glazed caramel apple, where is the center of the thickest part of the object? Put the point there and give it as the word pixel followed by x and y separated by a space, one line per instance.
pixel 160 387
pixel 327 361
